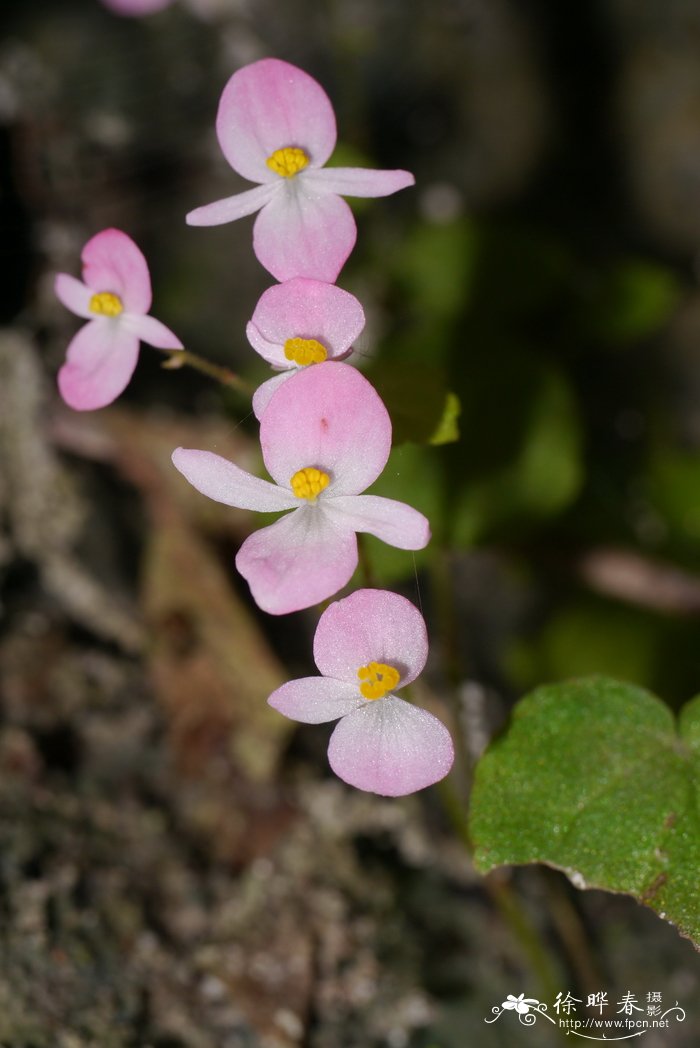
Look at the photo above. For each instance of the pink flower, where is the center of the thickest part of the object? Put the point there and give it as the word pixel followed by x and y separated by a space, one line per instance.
pixel 367 646
pixel 325 437
pixel 298 323
pixel 136 8
pixel 115 299
pixel 276 126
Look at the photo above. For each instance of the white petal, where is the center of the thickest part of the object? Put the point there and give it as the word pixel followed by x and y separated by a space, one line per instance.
pixel 315 700
pixel 221 480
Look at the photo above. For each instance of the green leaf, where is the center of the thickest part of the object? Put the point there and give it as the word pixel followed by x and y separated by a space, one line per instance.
pixel 436 266
pixel 414 475
pixel 541 467
pixel 592 635
pixel 595 778
pixel 422 409
pixel 634 299
pixel 447 429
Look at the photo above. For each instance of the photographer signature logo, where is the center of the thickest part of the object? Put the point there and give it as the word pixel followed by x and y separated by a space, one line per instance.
pixel 631 1019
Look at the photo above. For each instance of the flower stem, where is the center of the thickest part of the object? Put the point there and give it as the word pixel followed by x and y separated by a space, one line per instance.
pixel 181 358
pixel 504 898
pixel 455 797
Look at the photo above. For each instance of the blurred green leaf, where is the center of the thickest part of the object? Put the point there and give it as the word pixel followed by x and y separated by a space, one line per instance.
pixel 447 430
pixel 414 475
pixel 633 300
pixel 591 636
pixel 422 409
pixel 595 778
pixel 521 271
pixel 674 483
pixel 436 267
pixel 539 447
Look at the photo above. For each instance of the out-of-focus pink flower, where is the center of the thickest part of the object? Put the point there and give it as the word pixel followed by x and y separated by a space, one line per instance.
pixel 366 647
pixel 207 10
pixel 325 437
pixel 298 323
pixel 115 298
pixel 276 126
pixel 136 8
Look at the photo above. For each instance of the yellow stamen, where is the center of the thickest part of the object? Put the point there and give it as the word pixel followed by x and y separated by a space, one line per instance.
pixel 309 482
pixel 288 161
pixel 305 351
pixel 377 679
pixel 106 304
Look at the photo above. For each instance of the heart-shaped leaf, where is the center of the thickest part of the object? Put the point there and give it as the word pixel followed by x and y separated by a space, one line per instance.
pixel 597 778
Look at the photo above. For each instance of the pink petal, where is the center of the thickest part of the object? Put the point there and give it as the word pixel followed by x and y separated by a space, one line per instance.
pixel 391 748
pixel 263 394
pixel 113 262
pixel 233 207
pixel 269 351
pixel 150 330
pixel 298 561
pixel 359 181
pixel 315 700
pixel 74 295
pixel 393 522
pixel 303 308
pixel 329 416
pixel 136 7
pixel 304 234
pixel 99 363
pixel 221 480
pixel 269 105
pixel 371 626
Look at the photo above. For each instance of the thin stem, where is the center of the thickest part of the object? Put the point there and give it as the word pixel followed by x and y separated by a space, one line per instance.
pixel 505 899
pixel 181 358
pixel 524 931
pixel 442 579
pixel 442 583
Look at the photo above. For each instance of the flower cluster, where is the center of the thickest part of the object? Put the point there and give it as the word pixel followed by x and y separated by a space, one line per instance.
pixel 325 434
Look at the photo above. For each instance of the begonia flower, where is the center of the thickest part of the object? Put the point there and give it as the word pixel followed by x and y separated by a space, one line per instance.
pixel 367 646
pixel 299 323
pixel 114 297
pixel 325 437
pixel 136 8
pixel 276 126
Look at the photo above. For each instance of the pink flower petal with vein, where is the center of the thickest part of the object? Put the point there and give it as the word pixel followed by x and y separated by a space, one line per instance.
pixel 304 234
pixel 113 262
pixel 150 330
pixel 270 105
pixel 233 207
pixel 100 361
pixel 298 561
pixel 221 480
pixel 328 416
pixel 358 181
pixel 315 700
pixel 371 626
pixel 391 748
pixel 308 309
pixel 393 522
pixel 74 295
